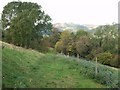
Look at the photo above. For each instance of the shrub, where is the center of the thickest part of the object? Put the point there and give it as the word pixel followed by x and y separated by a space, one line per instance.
pixel 114 62
pixel 105 58
pixel 51 50
pixel 94 52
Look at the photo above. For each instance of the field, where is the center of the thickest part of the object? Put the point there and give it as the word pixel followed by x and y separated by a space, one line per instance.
pixel 26 68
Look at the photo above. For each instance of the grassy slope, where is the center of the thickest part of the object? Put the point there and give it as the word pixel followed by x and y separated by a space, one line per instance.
pixel 0 66
pixel 28 68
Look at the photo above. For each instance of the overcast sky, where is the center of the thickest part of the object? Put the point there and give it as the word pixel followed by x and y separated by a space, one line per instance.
pixel 95 12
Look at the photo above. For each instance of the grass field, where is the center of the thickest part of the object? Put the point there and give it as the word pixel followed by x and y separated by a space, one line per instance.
pixel 28 68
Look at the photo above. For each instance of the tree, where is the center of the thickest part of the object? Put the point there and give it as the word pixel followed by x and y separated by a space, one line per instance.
pixel 82 46
pixel 105 45
pixel 106 37
pixel 66 43
pixel 80 33
pixel 1 31
pixel 65 39
pixel 54 37
pixel 59 47
pixel 71 45
pixel 24 22
pixel 82 43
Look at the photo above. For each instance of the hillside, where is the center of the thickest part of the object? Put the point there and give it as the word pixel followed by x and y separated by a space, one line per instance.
pixel 70 26
pixel 28 68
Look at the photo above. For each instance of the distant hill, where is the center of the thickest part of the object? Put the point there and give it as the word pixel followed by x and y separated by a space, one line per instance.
pixel 70 26
pixel 91 26
pixel 74 27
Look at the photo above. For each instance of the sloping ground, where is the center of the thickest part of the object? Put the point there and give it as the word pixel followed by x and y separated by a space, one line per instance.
pixel 0 65
pixel 28 68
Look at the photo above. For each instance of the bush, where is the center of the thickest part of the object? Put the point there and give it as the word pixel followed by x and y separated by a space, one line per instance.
pixel 114 62
pixel 51 50
pixel 94 52
pixel 105 58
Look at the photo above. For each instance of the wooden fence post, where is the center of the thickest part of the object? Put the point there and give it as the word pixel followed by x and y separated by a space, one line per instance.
pixel 96 68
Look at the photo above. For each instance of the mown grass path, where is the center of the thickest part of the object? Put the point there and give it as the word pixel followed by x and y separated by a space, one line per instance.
pixel 56 72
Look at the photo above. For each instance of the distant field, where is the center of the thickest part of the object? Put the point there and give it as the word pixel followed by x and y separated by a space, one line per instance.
pixel 28 68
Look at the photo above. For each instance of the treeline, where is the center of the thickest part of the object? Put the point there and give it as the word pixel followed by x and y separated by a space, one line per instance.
pixel 25 24
pixel 101 43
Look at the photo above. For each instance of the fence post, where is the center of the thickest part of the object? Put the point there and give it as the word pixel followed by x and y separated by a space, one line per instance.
pixel 96 68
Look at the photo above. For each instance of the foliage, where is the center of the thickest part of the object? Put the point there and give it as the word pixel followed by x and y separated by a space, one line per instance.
pixel 115 61
pixel 108 59
pixel 83 45
pixel 24 22
pixel 80 33
pixel 32 28
pixel 89 45
pixel 54 37
pixel 64 44
pixel 94 52
pixel 107 37
pixel 105 58
pixel 59 46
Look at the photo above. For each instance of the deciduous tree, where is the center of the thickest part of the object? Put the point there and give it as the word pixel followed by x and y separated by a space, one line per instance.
pixel 24 22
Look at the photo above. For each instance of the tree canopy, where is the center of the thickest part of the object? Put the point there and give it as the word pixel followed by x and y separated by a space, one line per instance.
pixel 24 22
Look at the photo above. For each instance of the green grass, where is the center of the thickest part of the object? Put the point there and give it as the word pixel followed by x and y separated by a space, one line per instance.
pixel 27 68
pixel 0 66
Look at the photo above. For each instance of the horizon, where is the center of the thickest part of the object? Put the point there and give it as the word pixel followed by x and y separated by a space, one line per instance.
pixel 81 12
